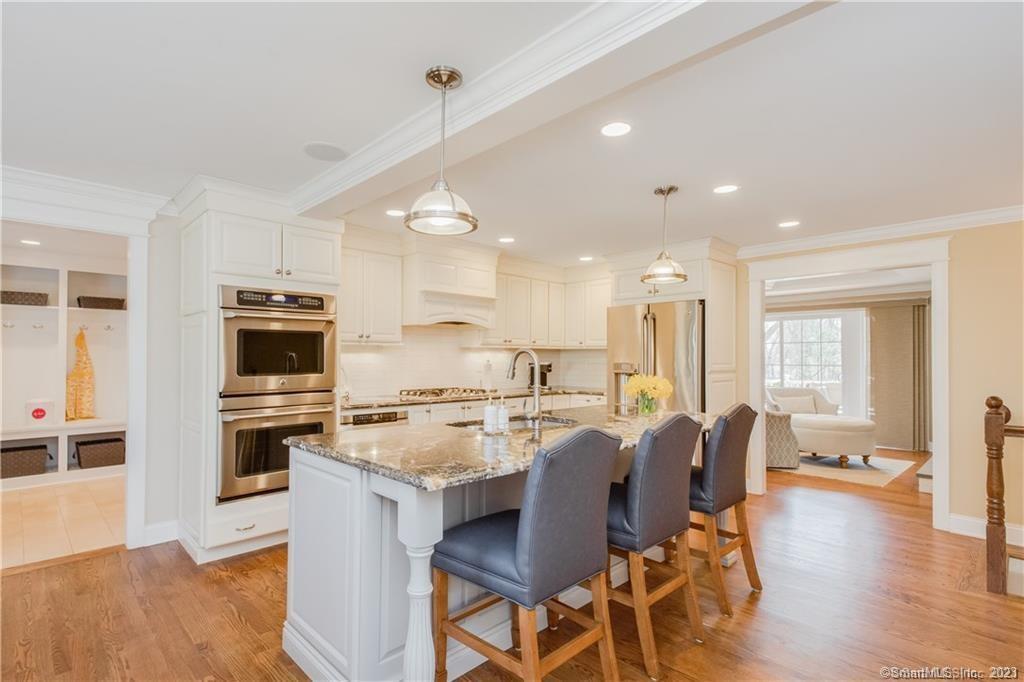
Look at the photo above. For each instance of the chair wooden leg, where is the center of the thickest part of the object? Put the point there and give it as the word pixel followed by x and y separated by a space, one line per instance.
pixel 606 645
pixel 528 635
pixel 715 562
pixel 682 562
pixel 440 615
pixel 642 607
pixel 517 643
pixel 747 548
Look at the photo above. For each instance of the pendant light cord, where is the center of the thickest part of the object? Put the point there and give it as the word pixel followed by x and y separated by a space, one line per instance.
pixel 664 222
pixel 444 93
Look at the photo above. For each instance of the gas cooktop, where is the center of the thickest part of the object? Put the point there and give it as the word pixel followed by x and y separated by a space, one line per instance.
pixel 447 392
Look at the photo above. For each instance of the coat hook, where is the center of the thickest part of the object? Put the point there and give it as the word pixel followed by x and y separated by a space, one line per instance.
pixel 8 325
pixel 38 325
pixel 108 328
pixel 83 326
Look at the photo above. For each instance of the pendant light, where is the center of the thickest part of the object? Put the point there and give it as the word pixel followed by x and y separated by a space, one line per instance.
pixel 441 211
pixel 664 270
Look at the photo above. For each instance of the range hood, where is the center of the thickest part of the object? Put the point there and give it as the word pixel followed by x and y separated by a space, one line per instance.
pixel 447 281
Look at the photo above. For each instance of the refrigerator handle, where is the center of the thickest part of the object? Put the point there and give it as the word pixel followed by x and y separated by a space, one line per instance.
pixel 652 340
pixel 643 343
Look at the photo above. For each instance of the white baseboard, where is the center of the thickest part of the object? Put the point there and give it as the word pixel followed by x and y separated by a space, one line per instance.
pixel 201 555
pixel 306 656
pixel 974 526
pixel 156 533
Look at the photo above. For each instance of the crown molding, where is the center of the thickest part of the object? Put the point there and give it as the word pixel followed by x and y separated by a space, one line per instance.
pixel 960 221
pixel 586 37
pixel 41 198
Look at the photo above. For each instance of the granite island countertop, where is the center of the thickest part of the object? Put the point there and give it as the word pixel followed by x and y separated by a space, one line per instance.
pixel 361 403
pixel 437 456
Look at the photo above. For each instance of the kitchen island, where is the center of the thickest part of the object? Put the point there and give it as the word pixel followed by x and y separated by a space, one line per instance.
pixel 360 500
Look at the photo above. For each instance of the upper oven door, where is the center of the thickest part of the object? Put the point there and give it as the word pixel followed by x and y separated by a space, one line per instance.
pixel 270 352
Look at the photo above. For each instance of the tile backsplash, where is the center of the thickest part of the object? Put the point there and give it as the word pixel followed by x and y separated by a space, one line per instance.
pixel 446 356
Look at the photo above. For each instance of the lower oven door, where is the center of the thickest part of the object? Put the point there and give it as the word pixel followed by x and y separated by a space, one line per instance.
pixel 253 457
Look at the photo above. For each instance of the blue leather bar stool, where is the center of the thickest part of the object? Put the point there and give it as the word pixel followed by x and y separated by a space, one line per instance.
pixel 719 485
pixel 528 556
pixel 648 510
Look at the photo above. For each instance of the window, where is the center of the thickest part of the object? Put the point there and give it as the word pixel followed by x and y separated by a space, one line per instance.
pixel 803 351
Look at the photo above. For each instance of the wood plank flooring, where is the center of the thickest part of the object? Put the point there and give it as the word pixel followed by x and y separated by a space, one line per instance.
pixel 854 579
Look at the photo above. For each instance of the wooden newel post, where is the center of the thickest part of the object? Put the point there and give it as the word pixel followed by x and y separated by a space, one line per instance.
pixel 996 417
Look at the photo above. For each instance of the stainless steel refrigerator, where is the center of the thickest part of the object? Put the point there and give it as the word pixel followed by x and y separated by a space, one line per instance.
pixel 666 339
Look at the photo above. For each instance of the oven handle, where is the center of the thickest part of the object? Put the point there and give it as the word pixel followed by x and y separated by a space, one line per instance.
pixel 230 314
pixel 264 415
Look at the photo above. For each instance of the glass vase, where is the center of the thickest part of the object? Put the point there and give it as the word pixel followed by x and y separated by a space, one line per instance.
pixel 646 404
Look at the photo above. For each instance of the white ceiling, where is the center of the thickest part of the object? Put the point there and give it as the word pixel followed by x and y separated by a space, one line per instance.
pixel 859 115
pixel 145 96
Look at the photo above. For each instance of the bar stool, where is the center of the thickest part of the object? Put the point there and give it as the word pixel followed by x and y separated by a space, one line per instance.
pixel 720 484
pixel 648 510
pixel 528 556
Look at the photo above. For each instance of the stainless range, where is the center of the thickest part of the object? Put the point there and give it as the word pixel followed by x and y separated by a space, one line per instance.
pixel 447 392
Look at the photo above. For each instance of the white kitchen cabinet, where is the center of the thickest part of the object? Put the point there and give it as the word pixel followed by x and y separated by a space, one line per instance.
pixel 556 314
pixel 262 248
pixel 246 246
pixel 446 412
pixel 574 314
pixel 474 410
pixel 370 306
pixel 582 400
pixel 419 414
pixel 597 295
pixel 627 287
pixel 518 311
pixel 539 323
pixel 496 335
pixel 310 255
pixel 561 402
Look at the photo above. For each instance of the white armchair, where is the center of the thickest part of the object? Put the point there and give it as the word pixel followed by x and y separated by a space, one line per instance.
pixel 819 429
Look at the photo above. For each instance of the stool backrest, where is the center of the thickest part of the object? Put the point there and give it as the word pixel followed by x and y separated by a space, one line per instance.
pixel 658 492
pixel 724 481
pixel 562 535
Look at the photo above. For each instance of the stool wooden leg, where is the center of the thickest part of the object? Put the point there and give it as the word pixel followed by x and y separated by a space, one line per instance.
pixel 682 561
pixel 517 643
pixel 440 615
pixel 715 562
pixel 748 550
pixel 642 607
pixel 606 645
pixel 528 635
pixel 844 461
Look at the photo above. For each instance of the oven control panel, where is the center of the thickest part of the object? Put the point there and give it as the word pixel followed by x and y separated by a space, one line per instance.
pixel 276 300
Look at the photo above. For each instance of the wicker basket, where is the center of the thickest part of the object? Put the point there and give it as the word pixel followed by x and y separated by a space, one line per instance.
pixel 24 298
pixel 100 453
pixel 26 460
pixel 101 302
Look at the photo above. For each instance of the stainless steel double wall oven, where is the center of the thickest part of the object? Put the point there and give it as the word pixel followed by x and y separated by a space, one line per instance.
pixel 277 379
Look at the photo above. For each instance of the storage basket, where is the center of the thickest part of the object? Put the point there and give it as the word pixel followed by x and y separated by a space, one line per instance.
pixel 25 460
pixel 25 297
pixel 100 453
pixel 101 302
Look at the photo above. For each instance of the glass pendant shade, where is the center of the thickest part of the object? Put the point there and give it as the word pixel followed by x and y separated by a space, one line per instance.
pixel 440 212
pixel 664 271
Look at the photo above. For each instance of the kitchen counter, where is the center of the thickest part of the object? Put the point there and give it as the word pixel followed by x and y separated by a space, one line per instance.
pixel 438 456
pixel 360 403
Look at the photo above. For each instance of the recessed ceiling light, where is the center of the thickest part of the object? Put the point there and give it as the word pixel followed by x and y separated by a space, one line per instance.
pixel 586 259
pixel 395 212
pixel 30 242
pixel 506 240
pixel 615 129
pixel 726 189
pixel 789 223
pixel 324 151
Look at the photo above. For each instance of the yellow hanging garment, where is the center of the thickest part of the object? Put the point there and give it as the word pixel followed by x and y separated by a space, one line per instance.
pixel 81 385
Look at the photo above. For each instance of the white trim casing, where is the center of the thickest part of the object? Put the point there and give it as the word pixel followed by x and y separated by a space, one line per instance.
pixel 758 474
pixel 138 358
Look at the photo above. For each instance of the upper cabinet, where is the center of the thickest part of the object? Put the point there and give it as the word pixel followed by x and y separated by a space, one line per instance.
pixel 534 312
pixel 445 281
pixel 626 284
pixel 556 314
pixel 574 314
pixel 596 296
pixel 370 301
pixel 539 307
pixel 262 248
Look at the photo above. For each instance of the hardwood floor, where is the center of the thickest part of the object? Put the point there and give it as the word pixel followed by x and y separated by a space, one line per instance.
pixel 854 579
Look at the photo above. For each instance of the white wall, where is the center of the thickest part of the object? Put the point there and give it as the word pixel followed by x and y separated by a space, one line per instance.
pixel 443 356
pixel 164 375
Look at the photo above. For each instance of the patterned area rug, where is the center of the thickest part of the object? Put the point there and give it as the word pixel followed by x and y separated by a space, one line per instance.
pixel 879 471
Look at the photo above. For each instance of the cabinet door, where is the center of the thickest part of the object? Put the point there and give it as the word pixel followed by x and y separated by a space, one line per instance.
pixel 311 255
pixel 556 314
pixel 538 313
pixel 595 318
pixel 382 293
pixel 474 410
pixel 446 412
pixel 418 415
pixel 350 299
pixel 574 302
pixel 246 246
pixel 497 335
pixel 561 402
pixel 518 311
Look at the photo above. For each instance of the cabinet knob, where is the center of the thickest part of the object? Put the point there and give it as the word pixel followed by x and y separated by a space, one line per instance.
pixel 277 271
pixel 288 272
pixel 360 336
pixel 367 336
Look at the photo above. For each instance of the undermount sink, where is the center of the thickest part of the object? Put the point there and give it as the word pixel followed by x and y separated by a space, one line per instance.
pixel 520 423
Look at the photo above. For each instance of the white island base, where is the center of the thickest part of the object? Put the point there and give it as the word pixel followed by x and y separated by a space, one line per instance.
pixel 359 576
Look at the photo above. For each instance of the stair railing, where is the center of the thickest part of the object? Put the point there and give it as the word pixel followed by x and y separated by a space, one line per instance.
pixel 997 428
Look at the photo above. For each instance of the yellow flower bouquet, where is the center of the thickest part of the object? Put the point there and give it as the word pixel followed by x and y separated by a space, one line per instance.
pixel 648 389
